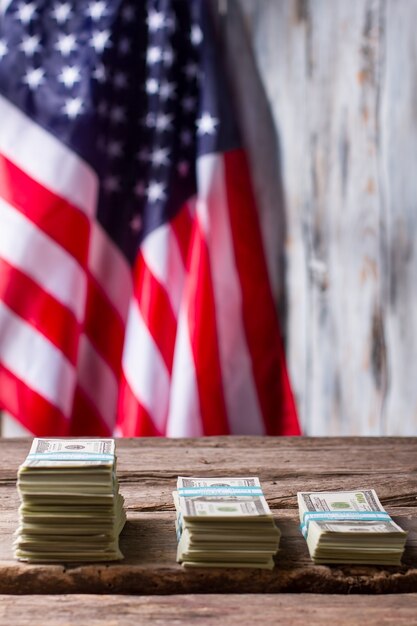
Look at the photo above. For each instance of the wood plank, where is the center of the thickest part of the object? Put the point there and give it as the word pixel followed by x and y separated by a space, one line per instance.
pixel 204 610
pixel 341 79
pixel 148 471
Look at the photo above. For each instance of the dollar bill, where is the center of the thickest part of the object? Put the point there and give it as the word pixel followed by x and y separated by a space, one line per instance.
pixel 349 527
pixel 71 508
pixel 224 522
pixel 227 498
pixel 52 453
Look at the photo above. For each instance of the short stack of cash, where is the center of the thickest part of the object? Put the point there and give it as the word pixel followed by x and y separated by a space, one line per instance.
pixel 224 522
pixel 350 527
pixel 71 509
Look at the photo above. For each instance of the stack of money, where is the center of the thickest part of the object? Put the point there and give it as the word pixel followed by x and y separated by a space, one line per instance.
pixel 350 527
pixel 71 509
pixel 224 522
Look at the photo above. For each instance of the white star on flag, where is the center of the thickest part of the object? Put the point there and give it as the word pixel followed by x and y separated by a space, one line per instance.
pixel 111 184
pixel 117 114
pixel 144 155
pixel 149 121
pixel 34 77
pixel 155 191
pixel 183 168
pixel 124 45
pixel 26 12
pixel 163 121
pixel 155 21
pixel 152 86
pixel 66 44
pixel 120 80
pixel 160 157
pixel 100 40
pixel 128 13
pixel 189 103
pixel 186 137
pixel 167 90
pixel 196 35
pixel 103 108
pixel 168 56
pixel 153 55
pixel 61 12
pixel 30 45
pixel 73 107
pixel 100 73
pixel 114 149
pixel 69 75
pixel 96 10
pixel 140 189
pixel 136 223
pixel 191 70
pixel 206 124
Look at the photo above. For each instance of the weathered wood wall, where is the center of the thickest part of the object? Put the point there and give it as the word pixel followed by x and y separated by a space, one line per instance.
pixel 341 80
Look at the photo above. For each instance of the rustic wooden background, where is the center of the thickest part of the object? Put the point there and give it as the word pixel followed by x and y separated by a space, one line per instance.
pixel 328 92
pixel 341 82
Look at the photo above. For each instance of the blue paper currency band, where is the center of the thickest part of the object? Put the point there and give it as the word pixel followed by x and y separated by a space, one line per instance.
pixel 68 456
pixel 220 491
pixel 344 516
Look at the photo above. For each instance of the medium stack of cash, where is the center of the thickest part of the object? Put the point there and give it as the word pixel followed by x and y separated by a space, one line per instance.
pixel 350 527
pixel 71 509
pixel 224 522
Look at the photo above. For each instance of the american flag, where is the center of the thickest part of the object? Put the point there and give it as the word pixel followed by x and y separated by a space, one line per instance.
pixel 134 291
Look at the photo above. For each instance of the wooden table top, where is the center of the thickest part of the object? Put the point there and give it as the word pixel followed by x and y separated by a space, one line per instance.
pixel 148 469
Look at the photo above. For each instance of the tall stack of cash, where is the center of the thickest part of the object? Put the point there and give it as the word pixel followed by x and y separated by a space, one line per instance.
pixel 350 527
pixel 224 522
pixel 71 509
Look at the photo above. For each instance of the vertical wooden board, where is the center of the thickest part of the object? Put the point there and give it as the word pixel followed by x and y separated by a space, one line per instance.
pixel 320 62
pixel 399 175
pixel 347 378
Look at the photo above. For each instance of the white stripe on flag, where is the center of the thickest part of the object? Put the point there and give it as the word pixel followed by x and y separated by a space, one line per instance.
pixel 163 258
pixel 97 381
pixel 55 167
pixel 110 269
pixel 240 392
pixel 28 249
pixel 184 407
pixel 36 361
pixel 144 368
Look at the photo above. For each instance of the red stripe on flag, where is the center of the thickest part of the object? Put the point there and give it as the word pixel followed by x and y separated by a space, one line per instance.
pixel 203 334
pixel 85 419
pixel 259 312
pixel 27 299
pixel 103 326
pixel 55 216
pixel 156 310
pixel 32 410
pixel 182 226
pixel 135 421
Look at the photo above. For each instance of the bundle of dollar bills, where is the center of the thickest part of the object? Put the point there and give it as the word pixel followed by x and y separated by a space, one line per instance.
pixel 224 522
pixel 350 527
pixel 71 509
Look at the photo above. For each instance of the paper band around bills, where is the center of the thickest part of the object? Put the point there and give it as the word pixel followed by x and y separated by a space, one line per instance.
pixel 344 516
pixel 70 456
pixel 219 491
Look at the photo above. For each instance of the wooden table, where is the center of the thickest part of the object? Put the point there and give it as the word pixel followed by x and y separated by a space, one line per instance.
pixel 156 589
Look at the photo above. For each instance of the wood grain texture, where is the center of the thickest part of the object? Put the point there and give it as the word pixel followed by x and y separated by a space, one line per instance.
pixel 227 610
pixel 341 80
pixel 148 469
